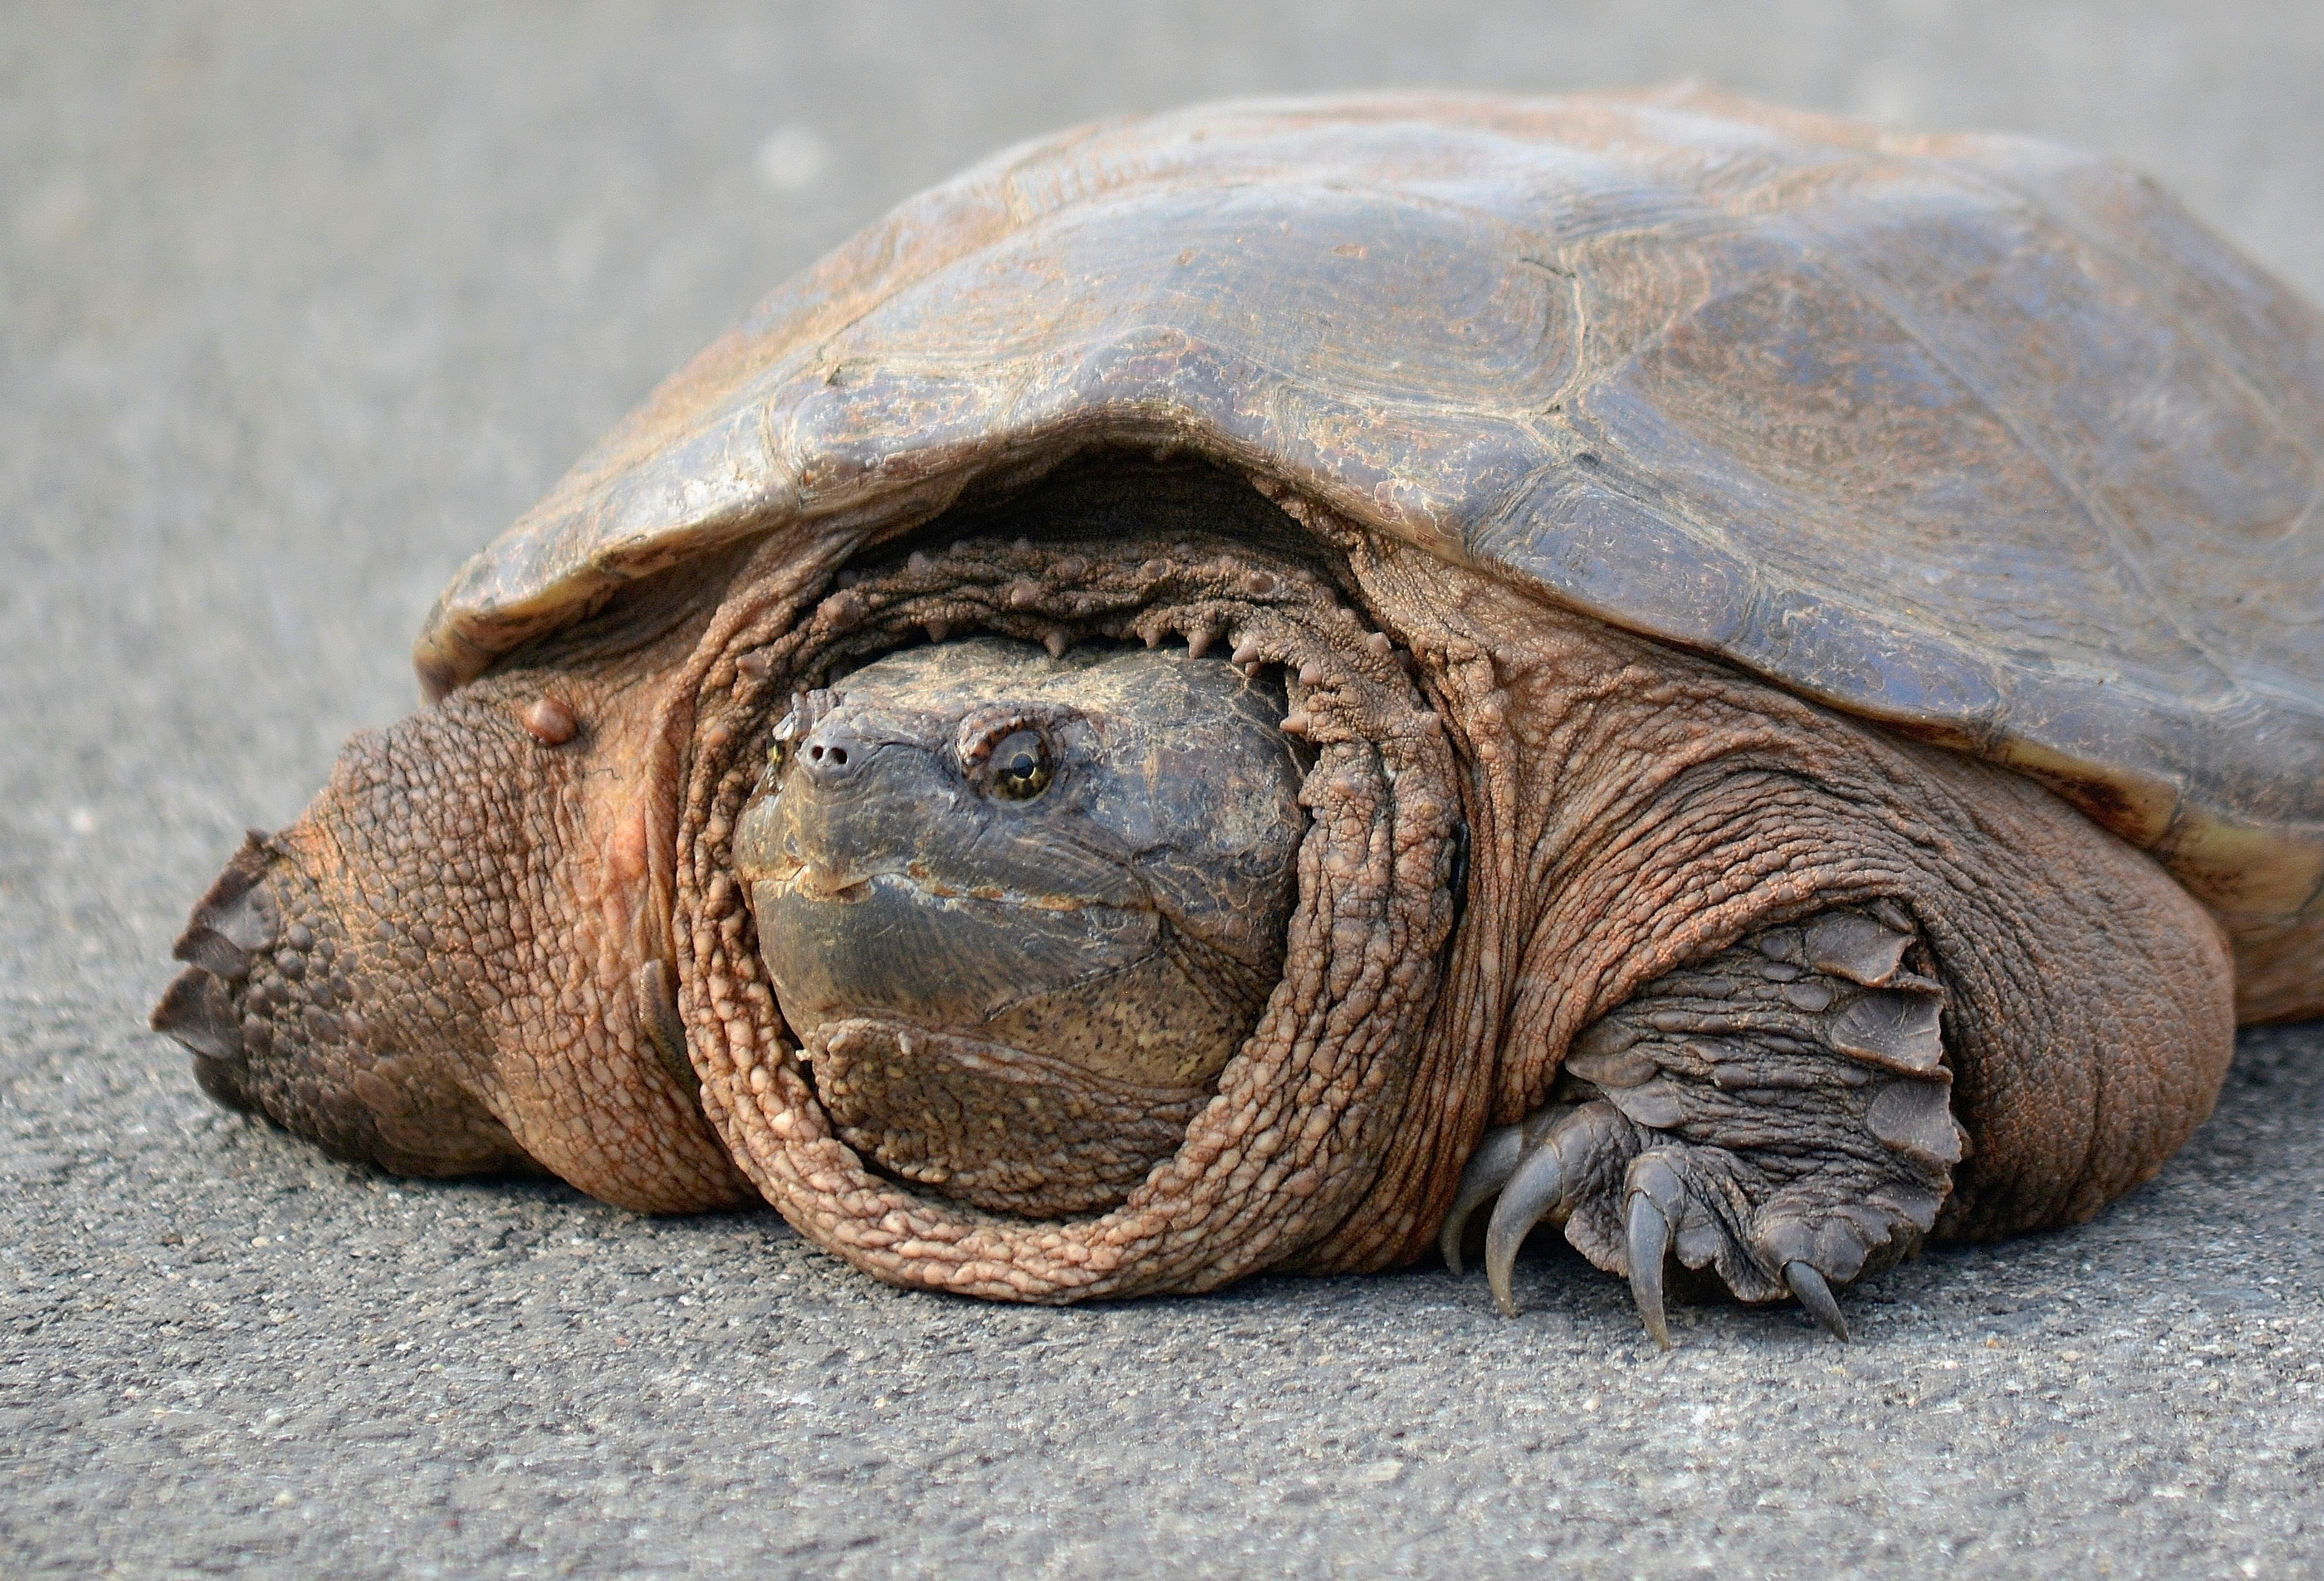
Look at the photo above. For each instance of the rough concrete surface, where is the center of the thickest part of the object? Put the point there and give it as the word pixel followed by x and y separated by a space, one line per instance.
pixel 301 303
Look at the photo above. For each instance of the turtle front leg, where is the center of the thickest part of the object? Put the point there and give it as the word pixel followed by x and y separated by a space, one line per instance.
pixel 1778 1114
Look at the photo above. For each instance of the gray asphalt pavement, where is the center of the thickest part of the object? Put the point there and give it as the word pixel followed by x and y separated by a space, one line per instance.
pixel 300 304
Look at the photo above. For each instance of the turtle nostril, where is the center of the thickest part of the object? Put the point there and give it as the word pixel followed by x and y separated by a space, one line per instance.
pixel 832 754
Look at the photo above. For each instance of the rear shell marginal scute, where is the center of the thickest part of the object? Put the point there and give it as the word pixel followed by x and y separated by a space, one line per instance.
pixel 1975 437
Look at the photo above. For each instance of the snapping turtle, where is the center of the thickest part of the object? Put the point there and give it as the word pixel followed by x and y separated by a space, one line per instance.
pixel 1225 688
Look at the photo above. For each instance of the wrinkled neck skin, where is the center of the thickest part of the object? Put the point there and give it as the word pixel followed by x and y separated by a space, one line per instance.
pixel 1285 1149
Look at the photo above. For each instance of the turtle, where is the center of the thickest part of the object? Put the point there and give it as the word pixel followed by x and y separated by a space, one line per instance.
pixel 1229 688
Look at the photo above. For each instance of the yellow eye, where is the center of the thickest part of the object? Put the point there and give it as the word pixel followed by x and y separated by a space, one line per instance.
pixel 1022 769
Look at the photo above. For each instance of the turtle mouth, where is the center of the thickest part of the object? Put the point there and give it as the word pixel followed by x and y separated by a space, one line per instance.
pixel 822 888
pixel 855 887
pixel 1023 1059
pixel 998 1127
pixel 890 945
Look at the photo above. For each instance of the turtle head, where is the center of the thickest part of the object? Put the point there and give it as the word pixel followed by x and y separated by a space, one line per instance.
pixel 1021 910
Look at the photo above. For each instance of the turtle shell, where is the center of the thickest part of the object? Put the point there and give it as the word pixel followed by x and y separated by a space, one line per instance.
pixel 1976 437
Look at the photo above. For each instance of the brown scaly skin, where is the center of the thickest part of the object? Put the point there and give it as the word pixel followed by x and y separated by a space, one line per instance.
pixel 489 901
pixel 1634 814
pixel 1648 810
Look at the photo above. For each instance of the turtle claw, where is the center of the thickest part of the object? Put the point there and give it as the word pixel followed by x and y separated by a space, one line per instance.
pixel 1538 1169
pixel 1739 1121
pixel 1649 1248
pixel 1815 1294
pixel 1497 1158
pixel 1533 1191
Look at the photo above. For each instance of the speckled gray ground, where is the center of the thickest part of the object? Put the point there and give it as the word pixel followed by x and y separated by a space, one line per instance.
pixel 297 305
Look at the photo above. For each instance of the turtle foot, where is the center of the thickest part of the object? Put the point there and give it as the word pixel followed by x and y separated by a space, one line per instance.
pixel 1778 1115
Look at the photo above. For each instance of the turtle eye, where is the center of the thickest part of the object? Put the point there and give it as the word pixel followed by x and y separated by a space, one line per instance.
pixel 1020 767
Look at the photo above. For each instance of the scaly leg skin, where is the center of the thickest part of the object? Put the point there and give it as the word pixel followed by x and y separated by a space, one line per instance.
pixel 1778 1114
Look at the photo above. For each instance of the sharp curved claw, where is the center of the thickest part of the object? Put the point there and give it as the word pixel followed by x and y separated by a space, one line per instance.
pixel 1807 1284
pixel 1537 1187
pixel 1489 1167
pixel 1650 1242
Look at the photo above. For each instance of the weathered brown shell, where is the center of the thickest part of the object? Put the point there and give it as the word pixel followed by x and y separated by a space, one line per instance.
pixel 1974 436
